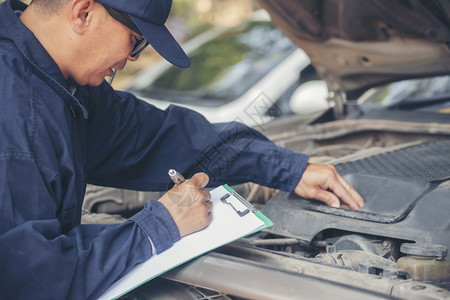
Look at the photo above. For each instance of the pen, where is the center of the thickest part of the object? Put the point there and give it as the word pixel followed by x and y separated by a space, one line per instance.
pixel 176 177
pixel 113 75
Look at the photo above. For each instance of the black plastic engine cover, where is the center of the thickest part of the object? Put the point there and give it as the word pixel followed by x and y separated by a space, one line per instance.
pixel 407 196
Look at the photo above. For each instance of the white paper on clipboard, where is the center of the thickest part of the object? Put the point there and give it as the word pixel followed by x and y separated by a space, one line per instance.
pixel 227 226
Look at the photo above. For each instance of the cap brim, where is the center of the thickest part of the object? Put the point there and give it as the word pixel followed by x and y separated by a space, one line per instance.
pixel 163 42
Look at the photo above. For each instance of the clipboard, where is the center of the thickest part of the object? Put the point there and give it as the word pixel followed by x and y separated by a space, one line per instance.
pixel 233 218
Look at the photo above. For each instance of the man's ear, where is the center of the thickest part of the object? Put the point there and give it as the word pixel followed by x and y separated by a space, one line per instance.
pixel 80 14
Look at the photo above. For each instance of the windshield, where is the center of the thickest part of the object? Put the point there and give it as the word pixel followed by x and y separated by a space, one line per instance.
pixel 223 68
pixel 424 94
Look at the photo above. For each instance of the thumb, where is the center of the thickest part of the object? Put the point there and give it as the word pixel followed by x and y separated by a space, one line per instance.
pixel 199 180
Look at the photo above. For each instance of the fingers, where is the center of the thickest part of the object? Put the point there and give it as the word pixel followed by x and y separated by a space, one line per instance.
pixel 338 189
pixel 189 204
pixel 209 208
pixel 350 195
pixel 323 182
pixel 206 195
pixel 198 182
pixel 328 198
pixel 344 191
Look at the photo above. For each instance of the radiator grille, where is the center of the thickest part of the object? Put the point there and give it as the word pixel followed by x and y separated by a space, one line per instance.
pixel 424 162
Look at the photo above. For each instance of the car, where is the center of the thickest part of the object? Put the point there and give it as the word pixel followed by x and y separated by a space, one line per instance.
pixel 247 73
pixel 386 66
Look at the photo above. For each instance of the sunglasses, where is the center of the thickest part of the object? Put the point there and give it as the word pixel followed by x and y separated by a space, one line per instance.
pixel 123 18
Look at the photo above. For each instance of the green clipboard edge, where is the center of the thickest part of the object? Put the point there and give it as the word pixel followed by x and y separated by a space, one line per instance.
pixel 263 218
pixel 257 213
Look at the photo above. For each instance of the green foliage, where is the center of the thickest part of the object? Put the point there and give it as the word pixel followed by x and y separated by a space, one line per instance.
pixel 185 9
pixel 208 63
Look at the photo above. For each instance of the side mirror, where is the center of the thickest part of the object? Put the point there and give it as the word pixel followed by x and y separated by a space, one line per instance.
pixel 310 98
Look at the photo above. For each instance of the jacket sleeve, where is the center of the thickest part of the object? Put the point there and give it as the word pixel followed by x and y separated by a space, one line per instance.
pixel 142 142
pixel 39 260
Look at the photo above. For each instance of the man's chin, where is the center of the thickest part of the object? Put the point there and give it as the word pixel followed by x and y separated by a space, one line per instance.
pixel 91 81
pixel 96 81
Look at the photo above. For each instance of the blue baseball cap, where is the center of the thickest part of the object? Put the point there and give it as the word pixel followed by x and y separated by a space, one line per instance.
pixel 149 16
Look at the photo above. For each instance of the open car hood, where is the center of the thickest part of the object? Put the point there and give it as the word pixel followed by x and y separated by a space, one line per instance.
pixel 355 45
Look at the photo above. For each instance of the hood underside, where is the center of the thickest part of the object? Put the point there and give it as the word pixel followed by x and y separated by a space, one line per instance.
pixel 355 45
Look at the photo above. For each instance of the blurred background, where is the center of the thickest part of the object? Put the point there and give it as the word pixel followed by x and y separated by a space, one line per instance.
pixel 189 18
pixel 243 68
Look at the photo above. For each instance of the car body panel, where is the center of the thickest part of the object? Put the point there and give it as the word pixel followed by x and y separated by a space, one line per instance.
pixel 356 45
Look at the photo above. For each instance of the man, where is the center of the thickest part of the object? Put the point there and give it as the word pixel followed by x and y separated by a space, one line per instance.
pixel 62 125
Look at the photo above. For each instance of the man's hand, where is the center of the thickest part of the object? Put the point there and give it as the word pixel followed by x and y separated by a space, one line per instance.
pixel 189 204
pixel 323 182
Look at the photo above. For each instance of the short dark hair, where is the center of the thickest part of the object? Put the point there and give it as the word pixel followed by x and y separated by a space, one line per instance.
pixel 48 7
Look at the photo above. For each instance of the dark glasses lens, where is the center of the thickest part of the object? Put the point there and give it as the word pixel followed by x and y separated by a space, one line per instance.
pixel 126 21
pixel 122 18
pixel 139 47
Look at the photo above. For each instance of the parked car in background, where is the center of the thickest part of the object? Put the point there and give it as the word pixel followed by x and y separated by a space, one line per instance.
pixel 386 68
pixel 246 73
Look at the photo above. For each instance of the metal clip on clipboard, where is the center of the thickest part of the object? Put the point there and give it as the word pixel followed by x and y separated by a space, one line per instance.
pixel 242 207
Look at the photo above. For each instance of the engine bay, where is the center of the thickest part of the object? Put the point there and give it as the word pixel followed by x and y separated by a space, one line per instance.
pixel 402 169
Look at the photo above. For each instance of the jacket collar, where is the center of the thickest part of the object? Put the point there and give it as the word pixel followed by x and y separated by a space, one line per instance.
pixel 35 53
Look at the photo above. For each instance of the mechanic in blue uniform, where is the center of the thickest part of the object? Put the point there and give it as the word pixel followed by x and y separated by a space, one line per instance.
pixel 62 126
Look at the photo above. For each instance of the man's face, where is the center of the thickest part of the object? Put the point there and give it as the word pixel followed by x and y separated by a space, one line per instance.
pixel 107 44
